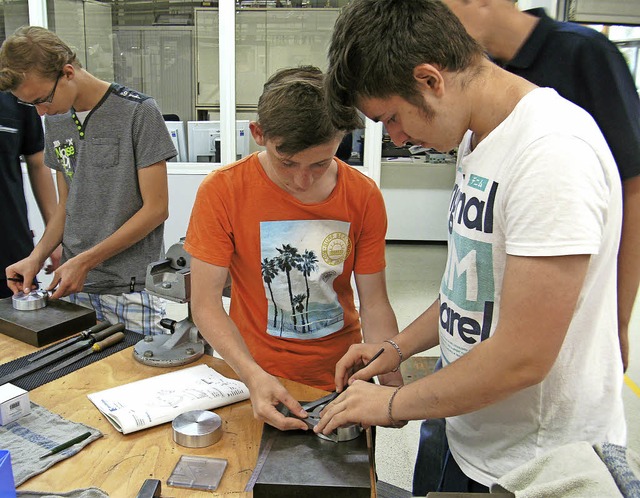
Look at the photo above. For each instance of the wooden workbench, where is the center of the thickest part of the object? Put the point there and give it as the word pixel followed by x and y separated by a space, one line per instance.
pixel 119 464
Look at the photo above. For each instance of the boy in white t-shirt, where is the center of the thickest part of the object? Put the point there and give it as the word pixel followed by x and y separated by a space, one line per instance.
pixel 526 317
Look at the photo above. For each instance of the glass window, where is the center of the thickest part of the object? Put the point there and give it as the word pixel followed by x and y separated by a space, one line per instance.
pixel 169 49
pixel 627 38
pixel 12 16
pixel 142 45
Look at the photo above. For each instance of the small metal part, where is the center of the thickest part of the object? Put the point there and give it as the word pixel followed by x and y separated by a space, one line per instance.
pixel 197 429
pixel 152 488
pixel 35 300
pixel 198 472
pixel 341 434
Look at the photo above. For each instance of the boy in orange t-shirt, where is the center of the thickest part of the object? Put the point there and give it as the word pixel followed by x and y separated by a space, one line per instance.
pixel 291 224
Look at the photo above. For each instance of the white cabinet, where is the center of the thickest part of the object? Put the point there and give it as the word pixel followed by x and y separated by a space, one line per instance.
pixel 183 188
pixel 417 197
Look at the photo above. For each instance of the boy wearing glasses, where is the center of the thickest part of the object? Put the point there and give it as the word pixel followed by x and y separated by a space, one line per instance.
pixel 109 146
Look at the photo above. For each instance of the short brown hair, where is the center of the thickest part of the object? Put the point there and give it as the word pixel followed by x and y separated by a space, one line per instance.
pixel 292 108
pixel 376 45
pixel 33 49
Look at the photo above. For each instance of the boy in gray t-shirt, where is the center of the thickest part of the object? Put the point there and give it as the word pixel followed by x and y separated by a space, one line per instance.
pixel 109 146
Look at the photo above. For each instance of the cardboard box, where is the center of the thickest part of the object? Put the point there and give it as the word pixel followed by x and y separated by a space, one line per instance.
pixel 14 403
pixel 7 484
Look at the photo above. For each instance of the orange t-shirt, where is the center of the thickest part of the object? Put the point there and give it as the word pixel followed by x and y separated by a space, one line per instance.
pixel 290 263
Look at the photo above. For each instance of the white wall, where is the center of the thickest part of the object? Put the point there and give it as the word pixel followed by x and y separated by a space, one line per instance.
pixel 550 5
pixel 184 180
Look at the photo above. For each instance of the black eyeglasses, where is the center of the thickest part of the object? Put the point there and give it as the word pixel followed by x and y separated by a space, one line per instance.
pixel 48 99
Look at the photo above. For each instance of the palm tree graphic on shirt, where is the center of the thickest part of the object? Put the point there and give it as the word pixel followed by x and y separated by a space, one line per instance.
pixel 298 272
pixel 288 261
pixel 269 272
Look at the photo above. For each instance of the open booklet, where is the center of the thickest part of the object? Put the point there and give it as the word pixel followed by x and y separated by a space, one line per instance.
pixel 159 399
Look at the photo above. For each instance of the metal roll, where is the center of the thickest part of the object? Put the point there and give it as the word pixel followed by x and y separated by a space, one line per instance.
pixel 344 433
pixel 197 429
pixel 28 302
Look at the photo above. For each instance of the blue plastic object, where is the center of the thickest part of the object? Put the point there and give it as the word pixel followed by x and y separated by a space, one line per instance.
pixel 7 486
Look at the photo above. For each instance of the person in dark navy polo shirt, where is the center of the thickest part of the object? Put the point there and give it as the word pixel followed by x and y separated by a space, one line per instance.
pixel 585 67
pixel 21 134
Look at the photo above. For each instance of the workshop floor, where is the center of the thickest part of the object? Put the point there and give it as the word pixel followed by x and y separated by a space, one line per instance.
pixel 413 277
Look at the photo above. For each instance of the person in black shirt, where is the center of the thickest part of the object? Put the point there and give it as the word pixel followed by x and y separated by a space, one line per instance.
pixel 21 134
pixel 585 67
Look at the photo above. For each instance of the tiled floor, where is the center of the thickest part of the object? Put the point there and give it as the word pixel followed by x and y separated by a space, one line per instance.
pixel 413 278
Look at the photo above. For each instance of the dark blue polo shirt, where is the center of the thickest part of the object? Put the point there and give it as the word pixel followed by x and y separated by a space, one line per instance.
pixel 585 67
pixel 20 133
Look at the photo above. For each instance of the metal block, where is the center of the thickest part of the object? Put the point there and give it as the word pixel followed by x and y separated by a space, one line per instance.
pixel 300 464
pixel 59 319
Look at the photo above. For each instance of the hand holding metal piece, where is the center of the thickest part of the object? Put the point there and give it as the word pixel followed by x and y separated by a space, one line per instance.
pixel 313 408
pixel 68 444
pixel 97 347
pixel 374 357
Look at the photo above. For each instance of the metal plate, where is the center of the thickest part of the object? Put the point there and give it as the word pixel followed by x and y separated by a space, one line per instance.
pixel 301 464
pixel 59 319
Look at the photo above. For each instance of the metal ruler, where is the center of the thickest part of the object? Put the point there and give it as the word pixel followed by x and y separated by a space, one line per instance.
pixel 265 448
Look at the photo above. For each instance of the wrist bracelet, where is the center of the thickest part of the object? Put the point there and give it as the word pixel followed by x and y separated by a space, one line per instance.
pixel 397 348
pixel 393 422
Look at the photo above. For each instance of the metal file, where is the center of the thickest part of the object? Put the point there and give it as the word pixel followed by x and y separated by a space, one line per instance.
pixel 72 340
pixel 50 359
pixel 97 347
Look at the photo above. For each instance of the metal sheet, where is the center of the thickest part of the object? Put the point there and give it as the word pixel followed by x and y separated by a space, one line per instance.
pixel 59 319
pixel 299 464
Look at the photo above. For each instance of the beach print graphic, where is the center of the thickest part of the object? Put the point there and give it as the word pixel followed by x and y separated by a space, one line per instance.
pixel 300 261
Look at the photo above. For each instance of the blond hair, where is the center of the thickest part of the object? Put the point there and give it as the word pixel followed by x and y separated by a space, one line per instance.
pixel 33 49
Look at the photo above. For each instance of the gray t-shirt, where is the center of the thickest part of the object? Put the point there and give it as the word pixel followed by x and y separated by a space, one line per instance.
pixel 100 158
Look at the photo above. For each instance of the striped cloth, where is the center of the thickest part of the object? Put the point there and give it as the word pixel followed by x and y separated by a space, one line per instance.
pixel 139 311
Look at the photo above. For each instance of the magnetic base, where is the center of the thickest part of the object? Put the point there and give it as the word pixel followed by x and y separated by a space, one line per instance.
pixel 183 346
pixel 156 351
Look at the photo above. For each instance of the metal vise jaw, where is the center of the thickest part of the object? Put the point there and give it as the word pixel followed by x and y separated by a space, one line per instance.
pixel 170 278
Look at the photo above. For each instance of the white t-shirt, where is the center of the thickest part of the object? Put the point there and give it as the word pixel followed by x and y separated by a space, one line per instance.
pixel 543 183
